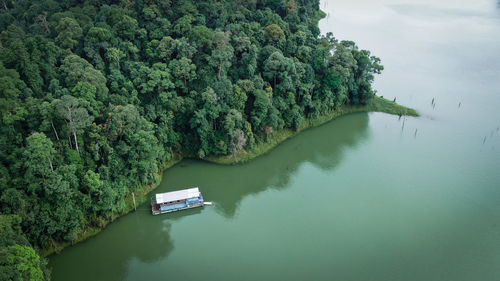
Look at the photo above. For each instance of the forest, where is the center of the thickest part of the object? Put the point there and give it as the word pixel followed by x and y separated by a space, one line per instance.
pixel 96 96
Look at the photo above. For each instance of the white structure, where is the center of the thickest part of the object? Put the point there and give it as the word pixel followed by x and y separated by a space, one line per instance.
pixel 178 195
pixel 176 200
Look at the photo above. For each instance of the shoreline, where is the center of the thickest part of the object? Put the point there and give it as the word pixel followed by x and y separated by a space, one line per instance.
pixel 140 197
pixel 376 104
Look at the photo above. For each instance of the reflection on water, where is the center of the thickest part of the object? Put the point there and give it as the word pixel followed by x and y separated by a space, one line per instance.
pixel 361 198
pixel 146 238
pixel 105 256
pixel 226 186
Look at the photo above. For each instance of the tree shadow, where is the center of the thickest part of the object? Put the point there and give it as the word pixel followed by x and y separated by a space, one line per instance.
pixel 105 257
pixel 226 186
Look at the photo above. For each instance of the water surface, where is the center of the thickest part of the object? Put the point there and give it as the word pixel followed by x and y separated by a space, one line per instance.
pixel 366 197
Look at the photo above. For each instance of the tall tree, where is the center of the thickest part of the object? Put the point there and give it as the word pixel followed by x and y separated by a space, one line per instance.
pixel 222 53
pixel 77 118
pixel 69 32
pixel 39 155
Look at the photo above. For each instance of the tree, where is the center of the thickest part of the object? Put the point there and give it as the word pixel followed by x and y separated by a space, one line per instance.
pixel 18 260
pixel 183 69
pixel 239 97
pixel 123 121
pixel 360 90
pixel 222 54
pixel 200 123
pixel 183 25
pixel 101 195
pixel 76 69
pixel 202 36
pixel 76 117
pixel 211 103
pixel 86 96
pixel 262 113
pixel 48 113
pixel 97 40
pixel 274 33
pixel 11 93
pixel 273 67
pixel 113 57
pixel 238 141
pixel 69 32
pixel 39 155
pixel 25 262
pixel 184 49
pixel 142 159
pixel 233 124
pixel 127 28
pixel 166 47
pixel 279 70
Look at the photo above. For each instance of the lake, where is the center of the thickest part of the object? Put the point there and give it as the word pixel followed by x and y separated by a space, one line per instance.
pixel 366 197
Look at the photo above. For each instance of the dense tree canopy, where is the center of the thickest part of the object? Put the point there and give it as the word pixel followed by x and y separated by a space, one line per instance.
pixel 95 96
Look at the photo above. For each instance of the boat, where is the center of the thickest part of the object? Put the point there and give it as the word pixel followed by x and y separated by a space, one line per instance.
pixel 177 200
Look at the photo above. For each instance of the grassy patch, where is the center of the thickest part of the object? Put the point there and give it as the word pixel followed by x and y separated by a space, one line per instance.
pixel 376 104
pixel 57 247
pixel 379 104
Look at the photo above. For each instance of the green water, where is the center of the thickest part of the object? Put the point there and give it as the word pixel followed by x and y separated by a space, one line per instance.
pixel 366 197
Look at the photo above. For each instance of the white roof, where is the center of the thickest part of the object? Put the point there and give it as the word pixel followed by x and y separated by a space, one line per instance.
pixel 177 195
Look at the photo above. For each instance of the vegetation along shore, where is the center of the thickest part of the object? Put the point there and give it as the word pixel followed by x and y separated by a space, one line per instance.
pixel 97 98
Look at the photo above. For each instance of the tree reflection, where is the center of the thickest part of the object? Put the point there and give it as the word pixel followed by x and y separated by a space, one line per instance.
pixel 147 238
pixel 105 257
pixel 227 185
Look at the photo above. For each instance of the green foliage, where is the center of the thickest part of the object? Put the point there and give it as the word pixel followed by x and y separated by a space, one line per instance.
pixel 69 31
pixel 274 33
pixel 25 263
pixel 222 53
pixel 96 97
pixel 39 155
pixel 18 260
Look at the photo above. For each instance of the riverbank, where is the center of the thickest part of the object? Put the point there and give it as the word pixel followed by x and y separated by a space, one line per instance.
pixel 140 193
pixel 377 104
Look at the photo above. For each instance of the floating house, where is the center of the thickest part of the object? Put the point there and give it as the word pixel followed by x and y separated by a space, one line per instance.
pixel 176 200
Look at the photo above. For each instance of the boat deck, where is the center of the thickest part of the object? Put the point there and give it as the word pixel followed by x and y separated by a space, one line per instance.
pixel 177 200
pixel 157 210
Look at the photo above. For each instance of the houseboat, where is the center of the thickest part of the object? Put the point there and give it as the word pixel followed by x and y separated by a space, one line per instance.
pixel 172 201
